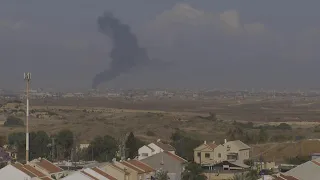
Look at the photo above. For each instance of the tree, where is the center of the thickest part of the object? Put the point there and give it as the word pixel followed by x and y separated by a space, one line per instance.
pixel 184 144
pixel 13 122
pixel 3 141
pixel 193 171
pixel 102 148
pixel 39 144
pixel 17 141
pixel 162 175
pixel 132 146
pixel 235 133
pixel 284 126
pixel 263 136
pixel 64 140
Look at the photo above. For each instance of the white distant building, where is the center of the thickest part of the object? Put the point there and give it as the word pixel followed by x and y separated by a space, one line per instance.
pixel 154 148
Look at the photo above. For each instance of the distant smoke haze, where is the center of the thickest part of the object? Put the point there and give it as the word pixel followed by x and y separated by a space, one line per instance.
pixel 126 52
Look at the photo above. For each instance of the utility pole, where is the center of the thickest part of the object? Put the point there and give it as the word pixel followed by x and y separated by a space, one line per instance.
pixel 27 78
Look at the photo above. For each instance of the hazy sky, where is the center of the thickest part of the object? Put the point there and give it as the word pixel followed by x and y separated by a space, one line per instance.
pixel 208 43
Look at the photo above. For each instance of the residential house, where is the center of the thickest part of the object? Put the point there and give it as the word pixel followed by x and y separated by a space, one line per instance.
pixel 135 172
pixel 306 171
pixel 235 151
pixel 154 148
pixel 147 171
pixel 204 154
pixel 167 161
pixel 94 173
pixel 114 170
pixel 225 170
pixel 47 167
pixel 20 171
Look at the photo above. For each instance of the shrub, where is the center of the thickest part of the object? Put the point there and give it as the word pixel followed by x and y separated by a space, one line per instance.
pixel 13 121
pixel 150 133
pixel 284 126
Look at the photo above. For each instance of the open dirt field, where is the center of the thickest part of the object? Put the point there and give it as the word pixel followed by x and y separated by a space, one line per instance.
pixel 91 117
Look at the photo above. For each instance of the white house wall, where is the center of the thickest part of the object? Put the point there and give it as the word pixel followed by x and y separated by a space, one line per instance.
pixel 11 173
pixel 144 149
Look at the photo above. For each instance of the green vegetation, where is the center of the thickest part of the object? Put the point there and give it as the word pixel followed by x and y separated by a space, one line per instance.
pixel 150 133
pixel 162 175
pixel 184 144
pixel 193 171
pixel 133 144
pixel 317 129
pixel 101 149
pixel 13 122
pixel 64 143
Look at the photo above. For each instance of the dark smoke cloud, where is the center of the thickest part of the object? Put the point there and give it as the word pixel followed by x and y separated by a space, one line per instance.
pixel 126 52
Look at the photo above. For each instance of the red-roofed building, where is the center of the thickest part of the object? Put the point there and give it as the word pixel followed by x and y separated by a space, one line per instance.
pixel 46 167
pixel 20 171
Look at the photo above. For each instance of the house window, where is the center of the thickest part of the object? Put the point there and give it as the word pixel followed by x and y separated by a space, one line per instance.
pixel 144 154
pixel 219 155
pixel 199 154
pixel 207 155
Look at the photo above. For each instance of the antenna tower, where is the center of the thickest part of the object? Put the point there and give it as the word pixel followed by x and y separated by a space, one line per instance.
pixel 27 78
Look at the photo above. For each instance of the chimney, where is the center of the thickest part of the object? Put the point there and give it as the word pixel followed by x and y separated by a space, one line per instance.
pixel 205 142
pixel 225 140
pixel 158 140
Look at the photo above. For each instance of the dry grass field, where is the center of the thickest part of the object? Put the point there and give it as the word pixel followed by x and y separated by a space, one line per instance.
pixel 91 117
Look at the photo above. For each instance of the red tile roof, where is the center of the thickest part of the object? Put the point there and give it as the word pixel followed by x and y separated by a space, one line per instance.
pixel 212 145
pixel 132 167
pixel 99 171
pixel 176 157
pixel 317 163
pixel 89 175
pixel 141 165
pixel 34 171
pixel 49 166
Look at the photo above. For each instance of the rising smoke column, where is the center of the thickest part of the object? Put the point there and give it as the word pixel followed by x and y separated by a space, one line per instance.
pixel 126 52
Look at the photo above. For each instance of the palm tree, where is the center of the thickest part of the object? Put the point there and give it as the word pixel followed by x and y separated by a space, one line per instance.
pixel 193 171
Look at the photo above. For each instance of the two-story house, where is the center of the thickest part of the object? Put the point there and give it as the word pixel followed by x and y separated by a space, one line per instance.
pixel 210 153
pixel 204 154
pixel 236 151
pixel 154 148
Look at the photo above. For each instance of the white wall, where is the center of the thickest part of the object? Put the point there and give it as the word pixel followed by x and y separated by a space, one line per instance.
pixel 11 173
pixel 156 148
pixel 144 149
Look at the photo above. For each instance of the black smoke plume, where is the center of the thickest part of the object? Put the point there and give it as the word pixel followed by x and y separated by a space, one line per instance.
pixel 126 52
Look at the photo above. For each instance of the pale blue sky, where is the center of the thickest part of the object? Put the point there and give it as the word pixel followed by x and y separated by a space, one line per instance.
pixel 210 43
